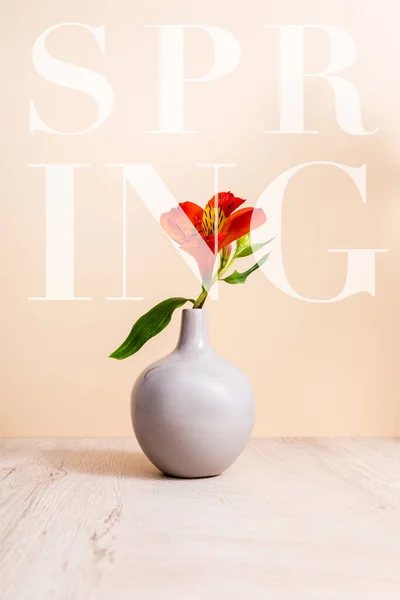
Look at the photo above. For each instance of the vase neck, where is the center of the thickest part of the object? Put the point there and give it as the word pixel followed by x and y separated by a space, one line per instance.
pixel 193 336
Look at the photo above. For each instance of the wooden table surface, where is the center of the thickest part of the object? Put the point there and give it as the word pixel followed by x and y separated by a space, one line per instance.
pixel 91 519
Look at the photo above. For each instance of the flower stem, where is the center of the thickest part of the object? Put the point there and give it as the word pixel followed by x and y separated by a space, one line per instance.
pixel 198 303
pixel 226 267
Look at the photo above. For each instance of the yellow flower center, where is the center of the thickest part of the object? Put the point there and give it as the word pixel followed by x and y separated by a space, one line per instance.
pixel 213 220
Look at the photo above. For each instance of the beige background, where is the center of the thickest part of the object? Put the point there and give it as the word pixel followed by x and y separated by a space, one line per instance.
pixel 317 369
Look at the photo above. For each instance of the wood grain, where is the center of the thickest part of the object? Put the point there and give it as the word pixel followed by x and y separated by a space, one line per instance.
pixel 91 519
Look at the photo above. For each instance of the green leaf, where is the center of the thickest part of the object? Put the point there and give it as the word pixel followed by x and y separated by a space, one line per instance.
pixel 242 243
pixel 246 250
pixel 148 326
pixel 236 277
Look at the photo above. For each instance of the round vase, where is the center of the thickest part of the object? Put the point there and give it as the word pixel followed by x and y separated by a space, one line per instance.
pixel 192 411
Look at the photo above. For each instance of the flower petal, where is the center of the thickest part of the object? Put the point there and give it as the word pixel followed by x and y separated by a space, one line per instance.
pixel 178 225
pixel 193 211
pixel 240 223
pixel 226 201
pixel 183 225
pixel 204 257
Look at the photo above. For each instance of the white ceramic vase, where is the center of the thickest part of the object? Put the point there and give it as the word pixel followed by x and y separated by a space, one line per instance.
pixel 192 411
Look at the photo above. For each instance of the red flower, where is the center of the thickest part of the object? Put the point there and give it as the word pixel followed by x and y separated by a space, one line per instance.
pixel 204 232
